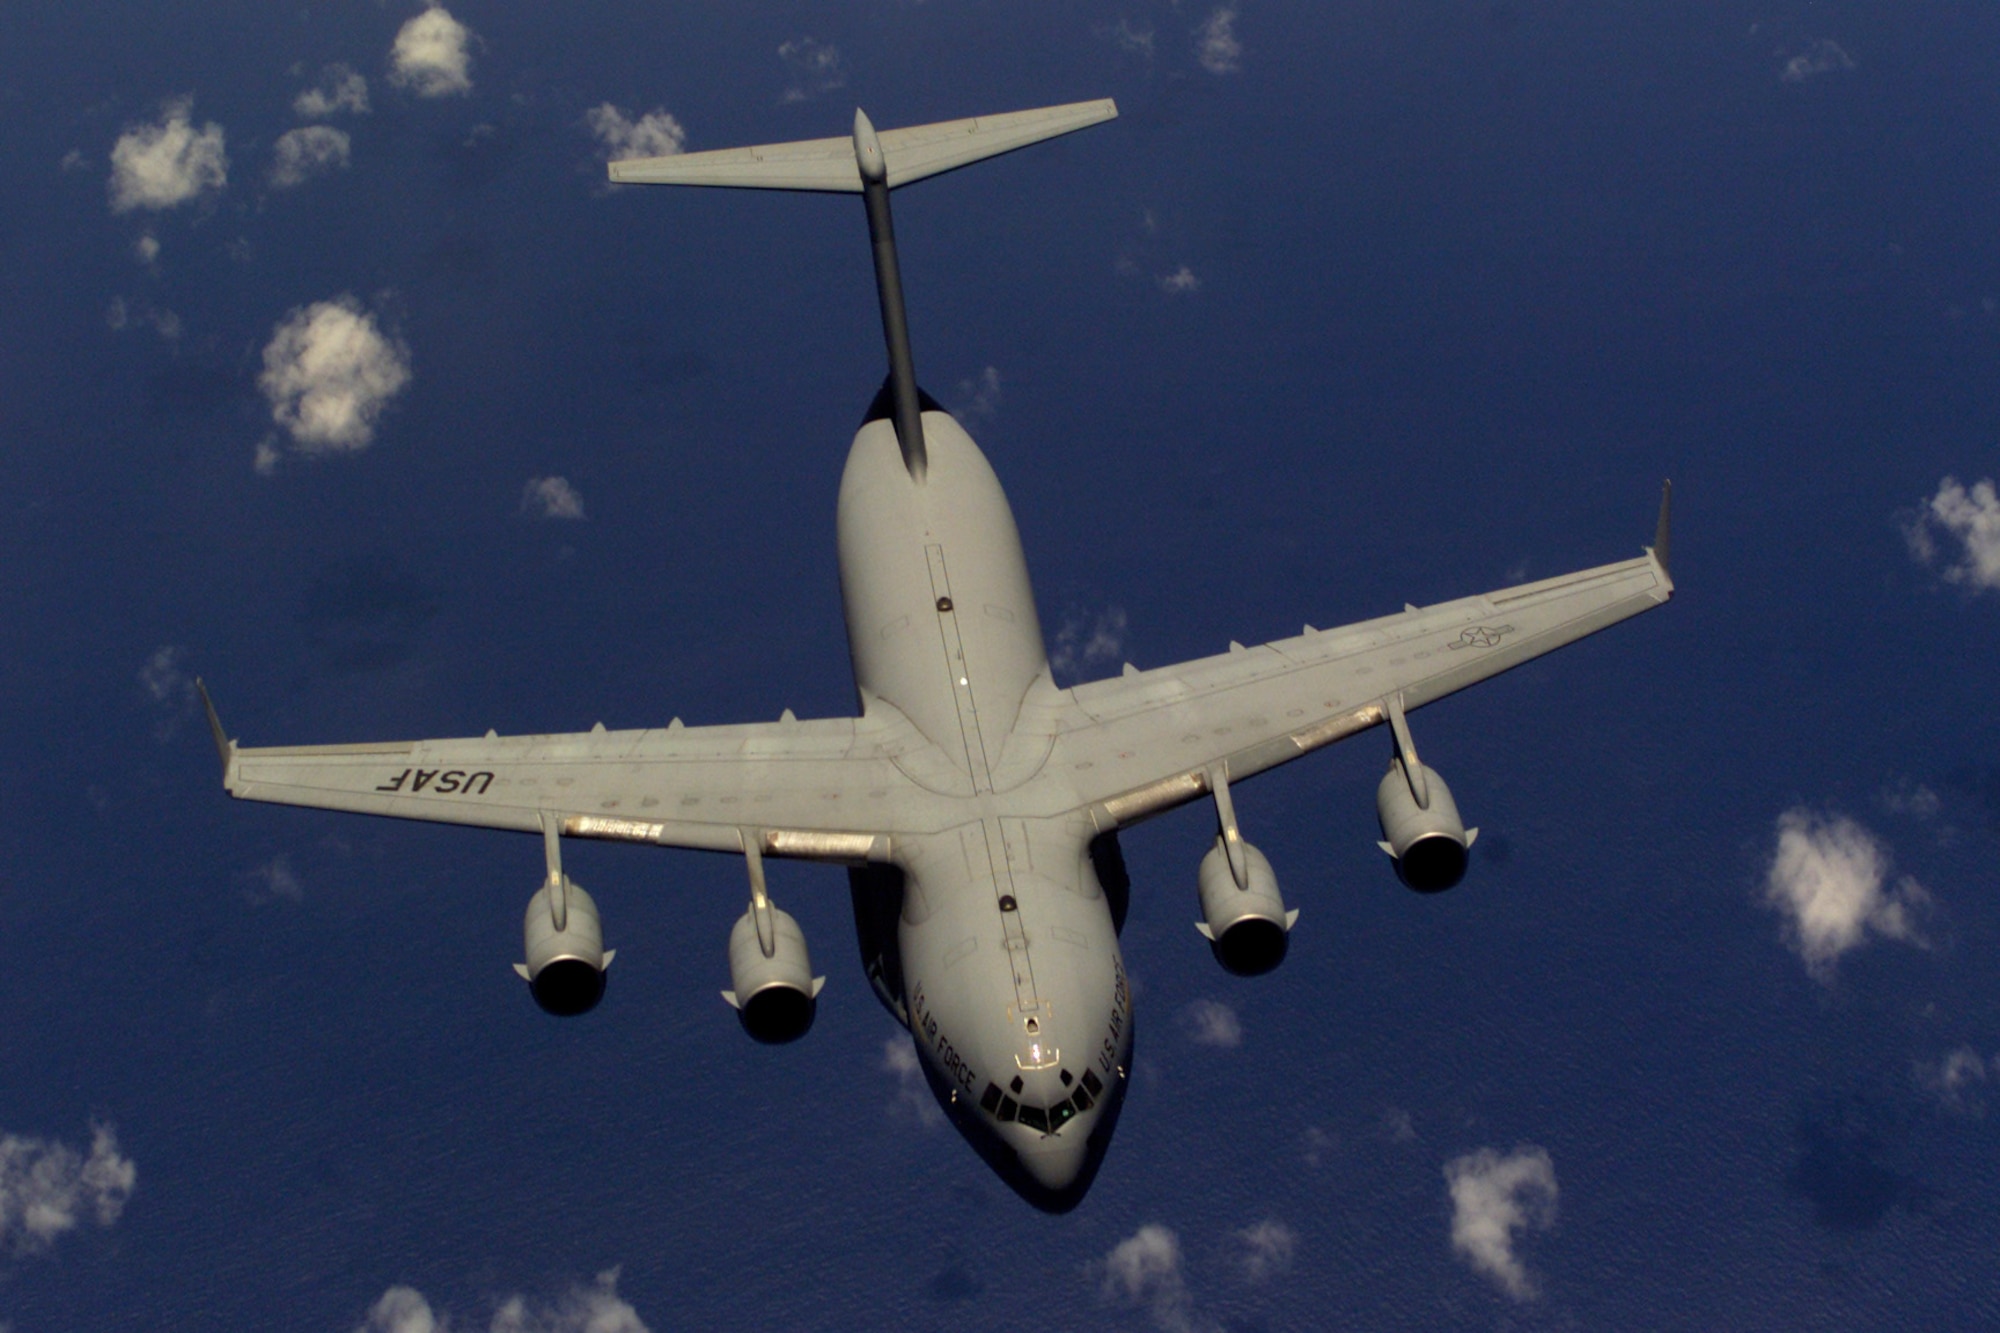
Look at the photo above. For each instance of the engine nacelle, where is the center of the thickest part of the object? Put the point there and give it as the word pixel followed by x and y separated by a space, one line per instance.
pixel 566 953
pixel 1246 925
pixel 1429 842
pixel 774 993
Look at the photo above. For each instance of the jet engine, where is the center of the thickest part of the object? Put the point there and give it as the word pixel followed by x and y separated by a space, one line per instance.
pixel 773 989
pixel 1427 838
pixel 565 947
pixel 1245 922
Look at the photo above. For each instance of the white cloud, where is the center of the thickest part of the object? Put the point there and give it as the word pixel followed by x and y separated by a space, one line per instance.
pixel 169 687
pixel 168 162
pixel 1136 40
pixel 1268 1249
pixel 551 497
pixel 1910 798
pixel 430 57
pixel 1317 1145
pixel 980 395
pixel 595 1308
pixel 146 249
pixel 1951 1077
pixel 1826 881
pixel 163 678
pixel 74 161
pixel 1212 1023
pixel 1144 1270
pixel 339 89
pixel 278 882
pixel 48 1188
pixel 816 68
pixel 1216 44
pixel 308 151
pixel 120 315
pixel 401 1310
pixel 1492 1197
pixel 1397 1127
pixel 1972 518
pixel 1181 282
pixel 655 134
pixel 1821 57
pixel 1086 642
pixel 328 373
pixel 913 1094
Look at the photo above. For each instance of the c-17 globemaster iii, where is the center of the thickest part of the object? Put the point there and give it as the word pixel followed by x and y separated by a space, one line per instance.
pixel 975 804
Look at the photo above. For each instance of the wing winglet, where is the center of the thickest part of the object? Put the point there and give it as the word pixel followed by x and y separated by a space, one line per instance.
pixel 225 748
pixel 1661 533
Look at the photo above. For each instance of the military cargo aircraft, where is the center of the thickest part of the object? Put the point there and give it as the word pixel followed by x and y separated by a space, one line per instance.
pixel 976 805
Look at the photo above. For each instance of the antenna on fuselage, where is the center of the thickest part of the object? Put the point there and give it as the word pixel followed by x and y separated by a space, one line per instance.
pixel 871 165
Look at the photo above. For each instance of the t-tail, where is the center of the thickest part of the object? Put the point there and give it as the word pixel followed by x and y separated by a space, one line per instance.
pixel 871 163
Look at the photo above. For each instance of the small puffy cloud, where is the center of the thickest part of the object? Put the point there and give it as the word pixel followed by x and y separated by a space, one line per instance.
pixel 655 134
pixel 121 315
pixel 1267 1249
pixel 1910 798
pixel 74 161
pixel 1084 642
pixel 1317 1145
pixel 815 66
pixel 49 1188
pixel 1181 282
pixel 1969 518
pixel 593 1308
pixel 913 1094
pixel 1821 57
pixel 1952 1077
pixel 168 162
pixel 170 688
pixel 339 89
pixel 1133 39
pixel 1216 44
pixel 597 1308
pixel 1492 1198
pixel 1826 880
pixel 146 249
pixel 275 880
pixel 310 150
pixel 429 56
pixel 551 497
pixel 1396 1125
pixel 980 395
pixel 1144 1271
pixel 328 373
pixel 401 1310
pixel 163 679
pixel 1212 1023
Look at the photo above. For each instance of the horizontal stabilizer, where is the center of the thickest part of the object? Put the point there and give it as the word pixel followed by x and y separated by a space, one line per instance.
pixel 829 164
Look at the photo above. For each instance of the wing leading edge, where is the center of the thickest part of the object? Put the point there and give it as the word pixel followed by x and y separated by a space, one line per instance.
pixel 1135 745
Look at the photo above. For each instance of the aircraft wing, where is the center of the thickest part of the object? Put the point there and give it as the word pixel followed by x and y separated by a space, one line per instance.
pixel 1144 742
pixel 807 789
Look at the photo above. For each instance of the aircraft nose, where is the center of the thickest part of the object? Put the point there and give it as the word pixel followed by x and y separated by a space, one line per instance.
pixel 1056 1162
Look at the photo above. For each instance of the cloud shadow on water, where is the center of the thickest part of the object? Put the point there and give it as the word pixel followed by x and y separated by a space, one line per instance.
pixel 1840 1170
pixel 365 616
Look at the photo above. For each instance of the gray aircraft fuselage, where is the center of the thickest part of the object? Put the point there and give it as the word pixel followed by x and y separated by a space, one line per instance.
pixel 1010 972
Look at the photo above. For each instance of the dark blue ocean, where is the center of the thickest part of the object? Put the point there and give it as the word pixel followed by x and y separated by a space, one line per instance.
pixel 1353 306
